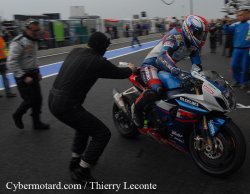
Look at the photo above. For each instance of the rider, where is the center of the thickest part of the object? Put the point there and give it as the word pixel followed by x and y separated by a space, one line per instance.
pixel 175 46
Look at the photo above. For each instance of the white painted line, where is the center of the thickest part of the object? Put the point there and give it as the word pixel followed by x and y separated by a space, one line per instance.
pixel 238 105
pixel 52 55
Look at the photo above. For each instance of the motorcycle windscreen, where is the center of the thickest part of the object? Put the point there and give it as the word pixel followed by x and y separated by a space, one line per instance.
pixel 168 80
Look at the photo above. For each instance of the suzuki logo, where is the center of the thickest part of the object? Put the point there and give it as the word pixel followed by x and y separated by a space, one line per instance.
pixel 189 101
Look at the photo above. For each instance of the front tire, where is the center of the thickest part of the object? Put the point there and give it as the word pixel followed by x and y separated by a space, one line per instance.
pixel 229 155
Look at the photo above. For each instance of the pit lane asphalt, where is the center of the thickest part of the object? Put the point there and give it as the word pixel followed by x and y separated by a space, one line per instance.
pixel 39 157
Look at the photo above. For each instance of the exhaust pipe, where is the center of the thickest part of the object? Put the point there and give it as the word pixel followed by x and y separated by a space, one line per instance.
pixel 119 101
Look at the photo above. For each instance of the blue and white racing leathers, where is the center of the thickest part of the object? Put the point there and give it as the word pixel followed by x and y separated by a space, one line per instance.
pixel 161 61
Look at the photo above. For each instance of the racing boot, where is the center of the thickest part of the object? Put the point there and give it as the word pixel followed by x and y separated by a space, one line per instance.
pixel 158 126
pixel 136 116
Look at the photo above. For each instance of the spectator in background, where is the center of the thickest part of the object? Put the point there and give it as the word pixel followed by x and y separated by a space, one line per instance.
pixel 115 32
pixel 144 29
pixel 212 38
pixel 7 37
pixel 228 43
pixel 46 38
pixel 240 57
pixel 127 30
pixel 3 68
pixel 135 34
pixel 219 26
pixel 248 38
pixel 108 31
pixel 72 35
pixel 22 61
pixel 139 29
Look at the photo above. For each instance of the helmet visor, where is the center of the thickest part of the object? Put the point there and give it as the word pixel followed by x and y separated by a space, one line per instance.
pixel 202 36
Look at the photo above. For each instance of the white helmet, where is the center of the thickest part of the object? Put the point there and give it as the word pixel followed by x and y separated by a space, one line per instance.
pixel 195 29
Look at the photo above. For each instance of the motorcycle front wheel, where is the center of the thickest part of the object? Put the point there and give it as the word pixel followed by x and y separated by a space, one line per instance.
pixel 227 157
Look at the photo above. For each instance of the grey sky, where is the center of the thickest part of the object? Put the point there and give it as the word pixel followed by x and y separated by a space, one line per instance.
pixel 117 9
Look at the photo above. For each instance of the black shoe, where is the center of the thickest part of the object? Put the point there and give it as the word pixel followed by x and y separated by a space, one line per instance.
pixel 82 175
pixel 18 121
pixel 74 163
pixel 10 95
pixel 40 126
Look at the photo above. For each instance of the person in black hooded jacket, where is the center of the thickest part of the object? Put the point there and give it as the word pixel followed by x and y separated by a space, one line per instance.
pixel 79 72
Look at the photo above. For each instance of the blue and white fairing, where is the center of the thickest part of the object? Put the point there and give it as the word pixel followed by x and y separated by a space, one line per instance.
pixel 216 94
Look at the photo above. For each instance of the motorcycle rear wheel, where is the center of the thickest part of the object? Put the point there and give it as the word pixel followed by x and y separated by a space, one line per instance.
pixel 229 156
pixel 123 124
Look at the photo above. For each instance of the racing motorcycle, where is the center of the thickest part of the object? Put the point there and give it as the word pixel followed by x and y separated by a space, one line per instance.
pixel 193 120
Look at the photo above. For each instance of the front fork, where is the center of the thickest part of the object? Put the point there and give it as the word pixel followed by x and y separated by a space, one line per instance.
pixel 205 142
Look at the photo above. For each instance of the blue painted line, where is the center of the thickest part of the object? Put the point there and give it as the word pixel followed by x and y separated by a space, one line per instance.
pixel 52 69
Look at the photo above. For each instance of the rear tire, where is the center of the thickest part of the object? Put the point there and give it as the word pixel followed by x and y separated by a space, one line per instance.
pixel 228 158
pixel 123 124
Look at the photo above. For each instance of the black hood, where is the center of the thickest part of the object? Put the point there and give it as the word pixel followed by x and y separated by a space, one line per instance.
pixel 99 42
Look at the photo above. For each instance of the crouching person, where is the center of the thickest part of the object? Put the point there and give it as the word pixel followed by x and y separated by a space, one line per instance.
pixel 79 72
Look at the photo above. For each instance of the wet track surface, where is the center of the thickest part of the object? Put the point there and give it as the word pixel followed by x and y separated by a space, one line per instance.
pixel 39 157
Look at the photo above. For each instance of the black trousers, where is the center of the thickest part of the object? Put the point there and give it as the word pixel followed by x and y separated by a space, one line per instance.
pixel 31 95
pixel 212 43
pixel 85 124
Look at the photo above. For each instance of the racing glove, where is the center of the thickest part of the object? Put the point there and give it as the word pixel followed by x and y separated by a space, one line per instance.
pixel 197 68
pixel 187 80
pixel 175 71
